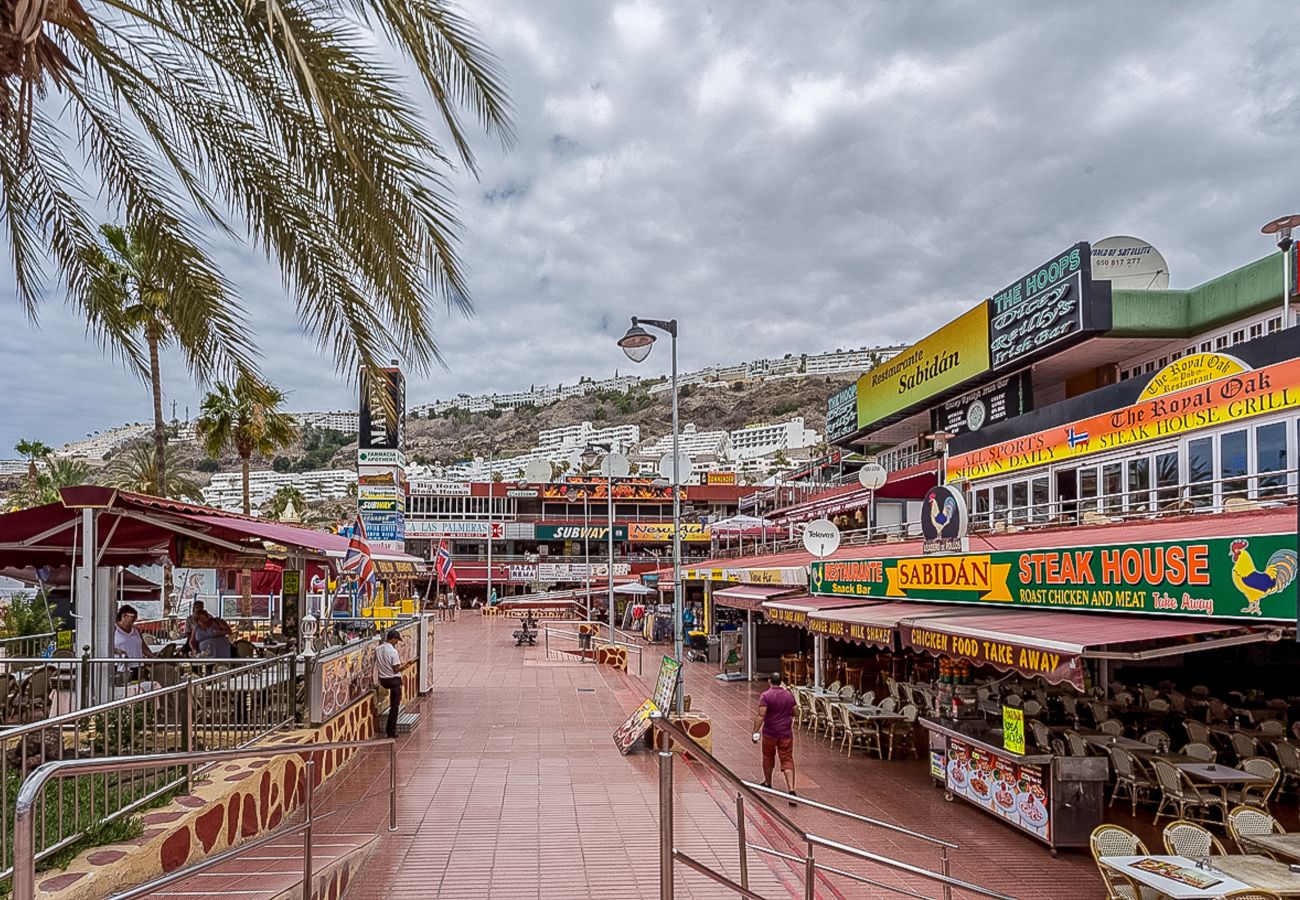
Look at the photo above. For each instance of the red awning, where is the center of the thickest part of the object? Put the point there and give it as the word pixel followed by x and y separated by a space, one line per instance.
pixel 1053 644
pixel 796 610
pixel 751 596
pixel 872 623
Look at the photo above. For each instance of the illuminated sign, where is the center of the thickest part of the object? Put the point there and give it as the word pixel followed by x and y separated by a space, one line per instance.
pixel 1190 371
pixel 1234 398
pixel 1043 309
pixel 654 532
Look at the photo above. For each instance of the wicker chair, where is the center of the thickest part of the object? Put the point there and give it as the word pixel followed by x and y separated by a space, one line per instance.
pixel 1252 894
pixel 1112 840
pixel 865 734
pixel 1042 735
pixel 1196 731
pixel 1178 791
pixel 1260 793
pixel 1070 704
pixel 1078 746
pixel 847 693
pixel 1273 727
pixel 1155 738
pixel 1111 726
pixel 1244 746
pixel 1200 752
pixel 802 706
pixel 1246 822
pixel 889 704
pixel 827 722
pixel 1288 754
pixel 1158 705
pixel 901 731
pixel 1033 708
pixel 1183 838
pixel 1130 778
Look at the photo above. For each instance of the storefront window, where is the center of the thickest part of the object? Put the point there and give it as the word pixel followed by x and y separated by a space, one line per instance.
pixel 982 507
pixel 1232 463
pixel 1270 456
pixel 1112 487
pixel 1020 501
pixel 1000 503
pixel 1041 499
pixel 1167 480
pixel 1087 490
pixel 1200 471
pixel 1139 484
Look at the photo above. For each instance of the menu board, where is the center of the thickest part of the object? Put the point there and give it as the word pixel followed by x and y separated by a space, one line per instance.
pixel 636 725
pixel 1009 790
pixel 666 683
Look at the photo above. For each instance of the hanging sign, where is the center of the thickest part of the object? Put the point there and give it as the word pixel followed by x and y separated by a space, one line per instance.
pixel 1189 371
pixel 1045 308
pixel 944 520
pixel 1013 729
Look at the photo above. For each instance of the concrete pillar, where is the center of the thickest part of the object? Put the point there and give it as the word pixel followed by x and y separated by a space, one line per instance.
pixel 819 653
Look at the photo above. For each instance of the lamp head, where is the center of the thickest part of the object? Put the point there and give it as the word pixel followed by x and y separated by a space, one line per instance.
pixel 1281 230
pixel 637 342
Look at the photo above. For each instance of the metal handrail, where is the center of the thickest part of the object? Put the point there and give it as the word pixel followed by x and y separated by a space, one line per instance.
pixel 24 883
pixel 668 853
pixel 546 642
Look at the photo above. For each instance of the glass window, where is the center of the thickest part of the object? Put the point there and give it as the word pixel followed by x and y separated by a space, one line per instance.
pixel 1040 499
pixel 1139 484
pixel 1200 471
pixel 1087 490
pixel 1232 463
pixel 982 507
pixel 1000 503
pixel 1020 501
pixel 1112 487
pixel 1167 480
pixel 1256 331
pixel 1220 342
pixel 1270 456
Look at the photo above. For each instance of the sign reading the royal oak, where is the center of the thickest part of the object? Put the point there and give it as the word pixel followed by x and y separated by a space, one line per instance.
pixel 1234 398
pixel 1250 577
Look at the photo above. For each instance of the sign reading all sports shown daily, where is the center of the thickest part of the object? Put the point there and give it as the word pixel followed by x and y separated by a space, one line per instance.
pixel 1247 577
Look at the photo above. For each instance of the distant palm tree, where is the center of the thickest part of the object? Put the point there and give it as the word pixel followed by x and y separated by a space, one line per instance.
pixel 247 419
pixel 136 469
pixel 33 451
pixel 131 298
pixel 276 506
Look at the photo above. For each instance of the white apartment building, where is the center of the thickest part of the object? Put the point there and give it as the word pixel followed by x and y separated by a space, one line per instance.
pixel 348 422
pixel 102 443
pixel 226 488
pixel 859 360
pixel 691 440
pixel 619 437
pixel 766 440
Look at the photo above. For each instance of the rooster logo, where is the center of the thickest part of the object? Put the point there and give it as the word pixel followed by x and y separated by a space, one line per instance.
pixel 1254 583
pixel 940 518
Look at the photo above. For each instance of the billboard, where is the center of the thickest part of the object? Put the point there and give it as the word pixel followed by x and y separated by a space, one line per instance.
pixel 653 532
pixel 842 413
pixel 578 532
pixel 383 424
pixel 951 356
pixel 1046 308
pixel 1004 399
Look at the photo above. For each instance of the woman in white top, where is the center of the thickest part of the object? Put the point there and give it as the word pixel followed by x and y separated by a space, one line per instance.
pixel 127 640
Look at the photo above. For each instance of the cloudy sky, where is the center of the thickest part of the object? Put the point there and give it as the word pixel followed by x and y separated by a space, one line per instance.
pixel 786 177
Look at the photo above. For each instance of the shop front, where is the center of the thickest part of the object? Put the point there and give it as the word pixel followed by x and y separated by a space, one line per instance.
pixel 807 665
pixel 764 643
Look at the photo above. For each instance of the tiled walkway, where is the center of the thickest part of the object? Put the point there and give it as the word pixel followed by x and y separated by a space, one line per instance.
pixel 511 787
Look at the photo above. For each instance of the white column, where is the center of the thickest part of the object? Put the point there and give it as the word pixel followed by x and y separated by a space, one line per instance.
pixel 819 652
pixel 84 606
pixel 749 644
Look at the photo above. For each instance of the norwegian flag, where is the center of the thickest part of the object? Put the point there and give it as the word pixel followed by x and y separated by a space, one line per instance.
pixel 358 561
pixel 442 562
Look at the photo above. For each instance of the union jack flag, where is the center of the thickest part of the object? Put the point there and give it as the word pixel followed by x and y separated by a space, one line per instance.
pixel 442 563
pixel 358 560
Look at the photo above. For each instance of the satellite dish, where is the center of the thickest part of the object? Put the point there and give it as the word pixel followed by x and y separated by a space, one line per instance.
pixel 821 537
pixel 538 471
pixel 872 476
pixel 614 465
pixel 683 466
pixel 1130 264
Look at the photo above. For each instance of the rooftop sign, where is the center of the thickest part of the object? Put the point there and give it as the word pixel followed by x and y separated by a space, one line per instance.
pixel 1042 309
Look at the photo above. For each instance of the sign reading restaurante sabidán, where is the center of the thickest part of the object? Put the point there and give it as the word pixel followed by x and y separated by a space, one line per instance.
pixel 1249 577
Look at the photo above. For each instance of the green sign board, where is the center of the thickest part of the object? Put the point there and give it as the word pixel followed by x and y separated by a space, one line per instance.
pixel 1251 577
pixel 578 532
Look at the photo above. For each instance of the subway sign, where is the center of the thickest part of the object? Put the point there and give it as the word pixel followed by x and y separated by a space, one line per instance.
pixel 1252 577
pixel 578 532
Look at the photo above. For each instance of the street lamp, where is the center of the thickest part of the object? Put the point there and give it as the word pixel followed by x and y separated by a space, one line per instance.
pixel 1281 229
pixel 590 456
pixel 637 344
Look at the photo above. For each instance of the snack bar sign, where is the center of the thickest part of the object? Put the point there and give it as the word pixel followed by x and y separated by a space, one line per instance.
pixel 1251 577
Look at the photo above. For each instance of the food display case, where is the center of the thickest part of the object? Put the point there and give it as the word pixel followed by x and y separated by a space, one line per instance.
pixel 1056 799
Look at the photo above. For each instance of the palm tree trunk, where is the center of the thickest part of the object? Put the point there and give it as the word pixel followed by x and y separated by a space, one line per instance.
pixel 246 576
pixel 159 426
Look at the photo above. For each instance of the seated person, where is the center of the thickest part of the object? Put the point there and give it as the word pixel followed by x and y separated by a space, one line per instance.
pixel 212 636
pixel 128 641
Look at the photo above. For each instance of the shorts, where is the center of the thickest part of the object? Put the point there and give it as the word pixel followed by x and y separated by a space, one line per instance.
pixel 772 747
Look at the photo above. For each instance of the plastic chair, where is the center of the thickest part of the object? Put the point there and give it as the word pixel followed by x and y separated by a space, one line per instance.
pixel 1178 791
pixel 1130 778
pixel 1201 752
pixel 1184 838
pixel 1260 793
pixel 1112 840
pixel 1246 822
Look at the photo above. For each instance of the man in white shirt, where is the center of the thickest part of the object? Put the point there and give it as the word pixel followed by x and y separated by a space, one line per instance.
pixel 387 662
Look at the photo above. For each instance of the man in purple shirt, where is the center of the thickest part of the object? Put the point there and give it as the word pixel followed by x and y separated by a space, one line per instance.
pixel 774 726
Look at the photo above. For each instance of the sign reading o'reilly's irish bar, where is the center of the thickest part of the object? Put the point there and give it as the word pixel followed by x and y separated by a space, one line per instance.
pixel 842 413
pixel 1045 308
pixel 1251 577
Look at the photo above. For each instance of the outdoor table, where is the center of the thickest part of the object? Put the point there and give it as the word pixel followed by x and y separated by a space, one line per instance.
pixel 1213 773
pixel 1287 845
pixel 873 712
pixel 1187 883
pixel 1104 741
pixel 1174 759
pixel 1260 872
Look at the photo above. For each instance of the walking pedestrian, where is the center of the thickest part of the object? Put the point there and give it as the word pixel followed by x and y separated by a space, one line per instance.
pixel 774 726
pixel 388 662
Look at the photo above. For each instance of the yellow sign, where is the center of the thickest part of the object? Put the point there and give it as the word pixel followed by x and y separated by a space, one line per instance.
pixel 950 573
pixel 956 352
pixel 1191 370
pixel 798 618
pixel 720 478
pixel 1013 729
pixel 646 532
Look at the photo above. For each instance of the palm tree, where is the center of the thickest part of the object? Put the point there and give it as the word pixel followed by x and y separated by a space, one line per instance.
pixel 130 299
pixel 283 122
pixel 247 418
pixel 276 506
pixel 32 451
pixel 135 468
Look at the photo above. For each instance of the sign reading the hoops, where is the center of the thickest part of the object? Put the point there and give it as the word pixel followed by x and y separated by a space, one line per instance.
pixel 1042 309
pixel 944 520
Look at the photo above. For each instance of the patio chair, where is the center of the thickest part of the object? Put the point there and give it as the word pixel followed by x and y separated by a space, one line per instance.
pixel 1158 705
pixel 1156 738
pixel 1177 702
pixel 1100 713
pixel 1201 752
pixel 1252 894
pixel 1178 791
pixel 867 698
pixel 1288 755
pixel 900 731
pixel 1014 700
pixel 853 675
pixel 1112 840
pixel 1245 822
pixel 32 702
pixel 1070 704
pixel 1273 727
pixel 243 649
pixel 1295 729
pixel 892 686
pixel 1124 698
pixel 1244 745
pixel 1058 747
pixel 1196 731
pixel 1078 746
pixel 1183 838
pixel 1130 778
pixel 1111 726
pixel 1217 710
pixel 865 734
pixel 826 722
pixel 8 694
pixel 847 693
pixel 1042 735
pixel 1147 693
pixel 1260 793
pixel 834 687
pixel 801 705
pixel 1033 708
pixel 889 704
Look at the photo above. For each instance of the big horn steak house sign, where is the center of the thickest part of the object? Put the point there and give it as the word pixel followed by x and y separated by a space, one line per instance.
pixel 1234 398
pixel 1251 577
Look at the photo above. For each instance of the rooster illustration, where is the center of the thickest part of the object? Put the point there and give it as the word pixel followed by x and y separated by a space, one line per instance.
pixel 940 518
pixel 1255 584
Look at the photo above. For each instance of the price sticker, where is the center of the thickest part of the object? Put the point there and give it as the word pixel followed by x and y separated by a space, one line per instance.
pixel 1013 729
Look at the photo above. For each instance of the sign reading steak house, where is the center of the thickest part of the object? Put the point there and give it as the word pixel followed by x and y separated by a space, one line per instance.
pixel 1250 577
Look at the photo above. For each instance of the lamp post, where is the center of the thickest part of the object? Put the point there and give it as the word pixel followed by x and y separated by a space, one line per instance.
pixel 487 599
pixel 609 464
pixel 636 343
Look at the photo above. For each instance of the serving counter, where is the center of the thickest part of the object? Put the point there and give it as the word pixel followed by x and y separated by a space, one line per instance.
pixel 1056 799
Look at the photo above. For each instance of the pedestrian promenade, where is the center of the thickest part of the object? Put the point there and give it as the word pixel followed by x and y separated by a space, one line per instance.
pixel 511 787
